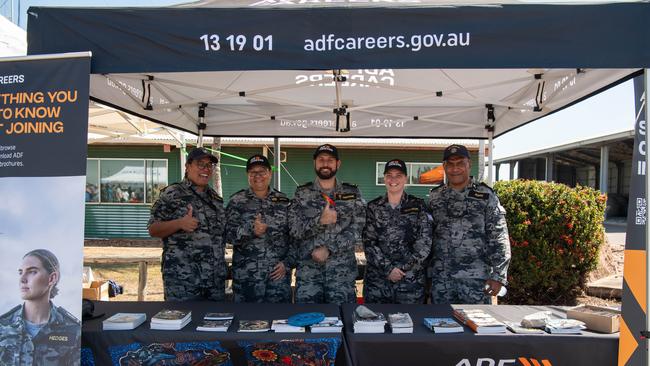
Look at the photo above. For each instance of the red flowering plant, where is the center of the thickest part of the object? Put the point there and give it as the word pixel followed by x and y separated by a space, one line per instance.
pixel 555 235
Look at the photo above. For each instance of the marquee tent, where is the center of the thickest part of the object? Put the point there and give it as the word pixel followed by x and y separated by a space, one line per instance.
pixel 379 70
pixel 354 68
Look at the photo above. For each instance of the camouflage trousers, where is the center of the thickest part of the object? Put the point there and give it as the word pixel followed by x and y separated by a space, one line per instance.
pixel 377 290
pixel 183 290
pixel 316 284
pixel 458 291
pixel 262 290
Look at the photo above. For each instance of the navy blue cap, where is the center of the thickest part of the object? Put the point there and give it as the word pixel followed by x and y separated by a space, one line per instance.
pixel 327 149
pixel 395 164
pixel 458 150
pixel 257 159
pixel 199 153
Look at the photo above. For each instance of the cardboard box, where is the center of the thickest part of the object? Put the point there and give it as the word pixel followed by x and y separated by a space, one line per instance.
pixel 98 290
pixel 597 318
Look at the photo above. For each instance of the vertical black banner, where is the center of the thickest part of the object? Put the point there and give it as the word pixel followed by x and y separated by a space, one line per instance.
pixel 632 349
pixel 43 139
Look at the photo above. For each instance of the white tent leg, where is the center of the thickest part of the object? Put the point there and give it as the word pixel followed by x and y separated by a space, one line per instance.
pixel 277 162
pixel 490 182
pixel 183 155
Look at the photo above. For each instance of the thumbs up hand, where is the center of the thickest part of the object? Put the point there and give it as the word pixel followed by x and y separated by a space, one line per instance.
pixel 259 227
pixel 188 223
pixel 329 215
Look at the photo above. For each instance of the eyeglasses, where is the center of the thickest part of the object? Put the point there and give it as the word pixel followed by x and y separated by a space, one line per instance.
pixel 258 173
pixel 202 165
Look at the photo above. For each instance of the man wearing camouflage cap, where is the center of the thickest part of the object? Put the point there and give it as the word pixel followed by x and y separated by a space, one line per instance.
pixel 471 249
pixel 189 217
pixel 397 240
pixel 326 219
pixel 258 229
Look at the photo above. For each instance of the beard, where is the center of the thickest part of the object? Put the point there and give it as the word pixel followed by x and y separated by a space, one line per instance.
pixel 325 173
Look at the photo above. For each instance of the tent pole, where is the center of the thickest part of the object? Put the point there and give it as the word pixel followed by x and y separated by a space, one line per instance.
pixel 490 148
pixel 201 126
pixel 646 87
pixel 277 162
pixel 183 155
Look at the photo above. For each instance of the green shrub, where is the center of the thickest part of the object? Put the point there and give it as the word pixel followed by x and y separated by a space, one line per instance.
pixel 555 234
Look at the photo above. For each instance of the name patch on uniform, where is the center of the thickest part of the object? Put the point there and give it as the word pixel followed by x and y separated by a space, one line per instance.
pixel 479 195
pixel 58 338
pixel 279 199
pixel 345 196
pixel 408 210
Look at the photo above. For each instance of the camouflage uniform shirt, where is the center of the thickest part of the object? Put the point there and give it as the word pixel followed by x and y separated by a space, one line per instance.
pixel 470 243
pixel 193 264
pixel 332 281
pixel 397 237
pixel 57 342
pixel 254 257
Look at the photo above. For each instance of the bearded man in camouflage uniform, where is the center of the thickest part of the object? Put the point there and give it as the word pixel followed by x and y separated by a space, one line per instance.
pixel 326 218
pixel 471 249
pixel 189 217
pixel 397 240
pixel 38 332
pixel 258 229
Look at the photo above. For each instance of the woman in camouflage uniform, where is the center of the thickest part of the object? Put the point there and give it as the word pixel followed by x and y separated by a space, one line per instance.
pixel 38 332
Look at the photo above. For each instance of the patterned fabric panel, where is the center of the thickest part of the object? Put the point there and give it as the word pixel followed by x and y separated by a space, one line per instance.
pixel 171 354
pixel 298 352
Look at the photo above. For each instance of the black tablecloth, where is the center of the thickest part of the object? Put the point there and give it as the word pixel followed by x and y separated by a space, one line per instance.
pixel 423 347
pixel 99 341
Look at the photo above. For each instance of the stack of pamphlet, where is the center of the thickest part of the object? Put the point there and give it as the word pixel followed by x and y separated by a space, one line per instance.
pixel 519 328
pixel 564 326
pixel 368 321
pixel 479 321
pixel 124 321
pixel 283 326
pixel 443 325
pixel 171 319
pixel 331 324
pixel 400 323
pixel 254 326
pixel 216 322
pixel 219 316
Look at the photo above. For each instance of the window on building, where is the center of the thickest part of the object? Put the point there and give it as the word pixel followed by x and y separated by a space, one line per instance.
pixel 92 180
pixel 124 180
pixel 420 174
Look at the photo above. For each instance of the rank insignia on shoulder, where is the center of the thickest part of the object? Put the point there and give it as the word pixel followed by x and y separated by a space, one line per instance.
pixel 345 196
pixel 479 195
pixel 279 199
pixel 409 210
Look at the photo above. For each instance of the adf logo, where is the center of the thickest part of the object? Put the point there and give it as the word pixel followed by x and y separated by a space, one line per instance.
pixel 521 361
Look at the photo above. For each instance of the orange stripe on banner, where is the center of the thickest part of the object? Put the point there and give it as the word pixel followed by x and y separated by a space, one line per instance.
pixel 524 361
pixel 546 363
pixel 634 273
pixel 535 362
pixel 627 344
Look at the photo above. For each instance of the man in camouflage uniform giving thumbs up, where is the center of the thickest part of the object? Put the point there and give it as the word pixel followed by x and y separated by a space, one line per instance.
pixel 189 217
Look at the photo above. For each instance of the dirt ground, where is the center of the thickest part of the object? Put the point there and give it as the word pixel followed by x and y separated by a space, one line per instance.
pixel 611 260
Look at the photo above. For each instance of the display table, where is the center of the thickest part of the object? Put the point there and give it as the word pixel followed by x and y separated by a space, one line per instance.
pixel 423 347
pixel 99 341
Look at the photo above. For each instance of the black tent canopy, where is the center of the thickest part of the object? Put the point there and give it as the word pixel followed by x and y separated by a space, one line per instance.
pixel 345 69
